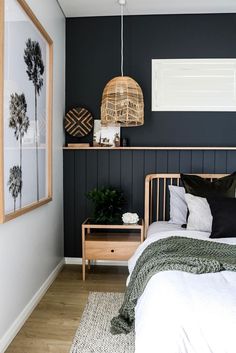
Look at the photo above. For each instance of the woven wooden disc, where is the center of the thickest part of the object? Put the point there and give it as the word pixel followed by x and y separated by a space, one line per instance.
pixel 78 122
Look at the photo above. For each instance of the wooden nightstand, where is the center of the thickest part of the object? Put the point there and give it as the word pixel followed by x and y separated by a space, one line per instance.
pixel 110 241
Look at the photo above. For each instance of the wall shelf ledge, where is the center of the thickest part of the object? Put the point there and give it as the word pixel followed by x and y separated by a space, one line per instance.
pixel 160 148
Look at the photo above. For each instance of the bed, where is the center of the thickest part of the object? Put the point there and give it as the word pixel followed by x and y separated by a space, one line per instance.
pixel 181 312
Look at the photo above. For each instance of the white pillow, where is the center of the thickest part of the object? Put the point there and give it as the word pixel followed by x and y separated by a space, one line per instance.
pixel 178 205
pixel 200 217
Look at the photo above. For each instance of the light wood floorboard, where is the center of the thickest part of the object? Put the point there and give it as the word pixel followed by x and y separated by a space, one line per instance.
pixel 52 325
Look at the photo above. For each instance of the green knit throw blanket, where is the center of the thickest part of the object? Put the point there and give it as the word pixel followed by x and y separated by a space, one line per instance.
pixel 171 254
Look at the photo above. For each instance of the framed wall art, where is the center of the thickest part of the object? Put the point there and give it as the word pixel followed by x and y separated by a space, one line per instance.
pixel 193 85
pixel 26 62
pixel 105 136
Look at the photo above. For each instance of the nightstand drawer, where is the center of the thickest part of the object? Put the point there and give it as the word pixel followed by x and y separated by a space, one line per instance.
pixel 103 250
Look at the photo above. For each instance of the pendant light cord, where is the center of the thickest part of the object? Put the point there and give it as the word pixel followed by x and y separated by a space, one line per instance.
pixel 122 40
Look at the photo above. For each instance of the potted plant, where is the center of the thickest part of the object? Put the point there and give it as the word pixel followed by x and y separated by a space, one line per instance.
pixel 108 203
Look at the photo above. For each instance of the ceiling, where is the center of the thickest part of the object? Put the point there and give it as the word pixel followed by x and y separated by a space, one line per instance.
pixel 83 8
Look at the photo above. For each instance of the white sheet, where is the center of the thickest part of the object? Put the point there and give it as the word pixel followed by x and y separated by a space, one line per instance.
pixel 181 312
pixel 161 226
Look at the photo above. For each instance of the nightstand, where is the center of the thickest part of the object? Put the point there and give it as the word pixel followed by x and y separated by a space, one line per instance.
pixel 110 241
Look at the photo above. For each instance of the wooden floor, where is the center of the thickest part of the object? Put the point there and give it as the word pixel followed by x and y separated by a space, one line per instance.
pixel 52 325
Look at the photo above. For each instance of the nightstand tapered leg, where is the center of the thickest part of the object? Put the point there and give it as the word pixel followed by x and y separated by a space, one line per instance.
pixel 83 250
pixel 83 269
pixel 142 234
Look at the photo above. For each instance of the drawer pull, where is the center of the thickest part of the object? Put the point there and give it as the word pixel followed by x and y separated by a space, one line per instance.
pixel 112 250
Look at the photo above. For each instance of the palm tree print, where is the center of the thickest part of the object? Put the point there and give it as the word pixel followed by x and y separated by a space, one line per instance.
pixel 35 71
pixel 19 122
pixel 15 183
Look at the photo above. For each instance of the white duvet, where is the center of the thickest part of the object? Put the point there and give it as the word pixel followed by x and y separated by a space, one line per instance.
pixel 181 312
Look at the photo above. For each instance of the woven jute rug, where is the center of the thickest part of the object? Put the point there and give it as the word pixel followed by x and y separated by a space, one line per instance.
pixel 93 334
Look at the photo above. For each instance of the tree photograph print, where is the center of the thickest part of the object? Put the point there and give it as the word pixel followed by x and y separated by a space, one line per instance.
pixel 26 119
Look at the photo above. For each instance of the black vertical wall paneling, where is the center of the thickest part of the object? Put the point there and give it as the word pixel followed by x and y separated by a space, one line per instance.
pixel 69 201
pixel 185 161
pixel 197 162
pixel 209 162
pixel 80 198
pixel 231 161
pixel 103 168
pixel 161 167
pixel 84 170
pixel 220 162
pixel 92 177
pixel 138 182
pixel 150 168
pixel 115 168
pixel 126 172
pixel 173 167
pixel 161 161
pixel 173 161
pixel 149 162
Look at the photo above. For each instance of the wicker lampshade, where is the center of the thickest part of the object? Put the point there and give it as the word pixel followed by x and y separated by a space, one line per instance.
pixel 122 103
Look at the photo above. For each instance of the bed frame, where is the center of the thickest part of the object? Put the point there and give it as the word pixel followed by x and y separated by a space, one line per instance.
pixel 157 195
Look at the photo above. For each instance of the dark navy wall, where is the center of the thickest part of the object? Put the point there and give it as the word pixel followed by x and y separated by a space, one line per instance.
pixel 93 58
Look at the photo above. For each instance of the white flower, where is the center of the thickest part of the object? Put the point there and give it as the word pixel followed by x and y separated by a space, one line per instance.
pixel 130 218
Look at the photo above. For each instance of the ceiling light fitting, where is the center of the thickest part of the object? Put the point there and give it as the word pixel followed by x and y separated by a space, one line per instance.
pixel 122 99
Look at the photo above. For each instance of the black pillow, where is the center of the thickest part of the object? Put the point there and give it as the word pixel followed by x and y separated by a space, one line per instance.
pixel 224 217
pixel 223 187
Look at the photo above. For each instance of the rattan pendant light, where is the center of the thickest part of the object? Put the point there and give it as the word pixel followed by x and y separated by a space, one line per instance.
pixel 122 99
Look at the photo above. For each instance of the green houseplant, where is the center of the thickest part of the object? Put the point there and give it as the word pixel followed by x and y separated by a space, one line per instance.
pixel 108 203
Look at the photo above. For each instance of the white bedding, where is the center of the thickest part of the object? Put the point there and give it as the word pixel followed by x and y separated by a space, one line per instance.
pixel 181 312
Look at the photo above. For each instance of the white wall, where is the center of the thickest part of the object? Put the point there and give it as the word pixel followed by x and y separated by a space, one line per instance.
pixel 31 246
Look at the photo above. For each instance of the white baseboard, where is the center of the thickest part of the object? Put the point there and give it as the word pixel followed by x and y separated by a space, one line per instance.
pixel 78 261
pixel 20 320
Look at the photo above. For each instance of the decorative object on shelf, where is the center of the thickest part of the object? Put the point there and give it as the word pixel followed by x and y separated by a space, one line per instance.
pixel 130 218
pixel 105 136
pixel 122 99
pixel 26 64
pixel 125 142
pixel 78 122
pixel 108 203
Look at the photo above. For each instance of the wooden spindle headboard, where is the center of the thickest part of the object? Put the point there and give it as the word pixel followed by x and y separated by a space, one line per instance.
pixel 157 195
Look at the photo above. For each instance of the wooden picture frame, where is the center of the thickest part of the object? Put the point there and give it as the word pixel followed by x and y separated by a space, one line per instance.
pixel 26 111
